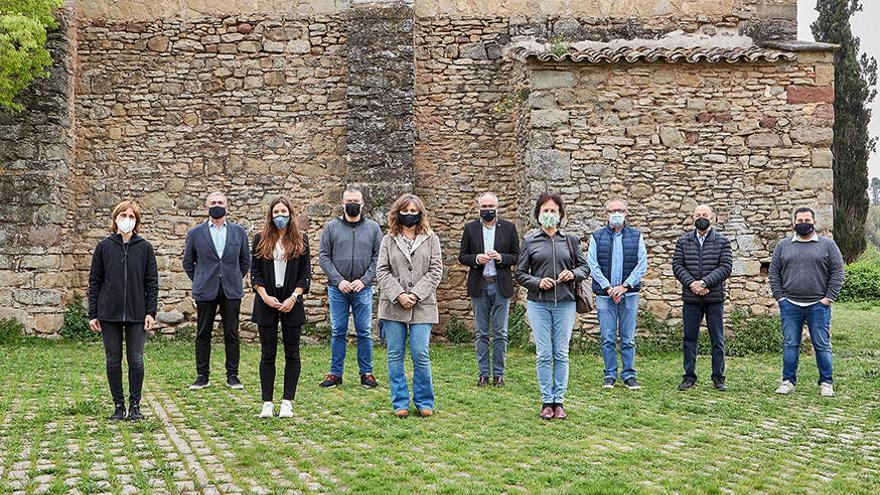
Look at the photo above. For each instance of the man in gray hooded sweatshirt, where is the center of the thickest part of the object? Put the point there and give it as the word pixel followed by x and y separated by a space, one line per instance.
pixel 348 253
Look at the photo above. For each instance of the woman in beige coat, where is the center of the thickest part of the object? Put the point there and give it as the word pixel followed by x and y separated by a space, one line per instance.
pixel 408 271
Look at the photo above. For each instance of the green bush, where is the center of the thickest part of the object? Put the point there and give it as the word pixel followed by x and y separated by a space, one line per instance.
pixel 76 322
pixel 11 331
pixel 753 334
pixel 862 282
pixel 457 331
pixel 320 332
pixel 185 333
pixel 518 328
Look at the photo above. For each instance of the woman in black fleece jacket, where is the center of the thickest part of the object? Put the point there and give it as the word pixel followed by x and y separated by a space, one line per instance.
pixel 123 295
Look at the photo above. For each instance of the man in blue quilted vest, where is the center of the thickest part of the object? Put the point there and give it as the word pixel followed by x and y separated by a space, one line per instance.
pixel 618 259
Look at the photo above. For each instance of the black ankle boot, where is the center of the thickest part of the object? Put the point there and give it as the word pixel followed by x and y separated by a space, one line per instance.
pixel 134 412
pixel 119 413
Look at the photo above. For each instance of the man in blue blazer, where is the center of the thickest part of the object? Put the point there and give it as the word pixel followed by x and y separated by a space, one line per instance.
pixel 216 258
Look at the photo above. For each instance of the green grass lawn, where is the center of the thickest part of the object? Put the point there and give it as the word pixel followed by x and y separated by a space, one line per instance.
pixel 54 438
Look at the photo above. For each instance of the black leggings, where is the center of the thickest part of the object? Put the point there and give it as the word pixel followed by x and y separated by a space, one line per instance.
pixel 135 336
pixel 269 345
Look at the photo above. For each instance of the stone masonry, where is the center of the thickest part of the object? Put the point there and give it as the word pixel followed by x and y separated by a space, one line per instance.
pixel 164 101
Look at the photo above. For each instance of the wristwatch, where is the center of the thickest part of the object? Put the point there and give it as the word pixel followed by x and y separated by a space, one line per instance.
pixel 628 287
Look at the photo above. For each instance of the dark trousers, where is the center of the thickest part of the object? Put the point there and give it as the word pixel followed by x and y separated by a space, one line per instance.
pixel 135 336
pixel 692 317
pixel 292 365
pixel 207 310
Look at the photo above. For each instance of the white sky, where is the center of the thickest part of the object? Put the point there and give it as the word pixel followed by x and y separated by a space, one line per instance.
pixel 864 26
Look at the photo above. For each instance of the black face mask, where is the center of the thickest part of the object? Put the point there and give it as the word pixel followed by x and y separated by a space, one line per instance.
pixel 488 215
pixel 352 209
pixel 702 224
pixel 804 229
pixel 409 219
pixel 217 212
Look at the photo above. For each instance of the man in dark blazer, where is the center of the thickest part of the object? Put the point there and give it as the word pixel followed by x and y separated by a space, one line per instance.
pixel 490 247
pixel 216 258
pixel 702 263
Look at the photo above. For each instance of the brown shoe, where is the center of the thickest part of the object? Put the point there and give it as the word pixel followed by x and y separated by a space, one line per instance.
pixel 559 412
pixel 426 413
pixel 547 412
pixel 498 381
pixel 401 413
pixel 483 381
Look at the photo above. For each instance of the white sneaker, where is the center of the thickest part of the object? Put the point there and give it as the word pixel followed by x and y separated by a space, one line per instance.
pixel 785 388
pixel 268 410
pixel 826 390
pixel 286 409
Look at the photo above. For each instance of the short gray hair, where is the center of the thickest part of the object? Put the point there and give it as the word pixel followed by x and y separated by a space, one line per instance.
pixel 617 199
pixel 216 193
pixel 487 193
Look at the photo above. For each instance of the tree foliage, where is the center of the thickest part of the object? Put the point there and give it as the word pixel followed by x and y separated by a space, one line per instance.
pixel 23 53
pixel 875 191
pixel 855 79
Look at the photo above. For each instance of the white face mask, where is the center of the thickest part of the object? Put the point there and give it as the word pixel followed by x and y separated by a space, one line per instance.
pixel 125 225
pixel 616 219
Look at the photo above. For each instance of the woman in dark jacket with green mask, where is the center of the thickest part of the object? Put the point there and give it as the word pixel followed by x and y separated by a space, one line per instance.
pixel 123 295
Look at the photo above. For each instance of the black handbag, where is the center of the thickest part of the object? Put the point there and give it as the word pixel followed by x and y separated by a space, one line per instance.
pixel 582 295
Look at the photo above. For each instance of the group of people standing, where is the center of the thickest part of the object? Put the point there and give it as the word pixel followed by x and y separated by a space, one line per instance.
pixel 806 272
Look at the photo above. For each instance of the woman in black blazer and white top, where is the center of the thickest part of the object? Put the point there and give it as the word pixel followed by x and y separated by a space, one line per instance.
pixel 280 274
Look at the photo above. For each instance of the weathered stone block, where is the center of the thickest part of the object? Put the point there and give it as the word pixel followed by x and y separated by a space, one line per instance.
pixel 550 79
pixel 806 179
pixel 764 140
pixel 38 297
pixel 40 262
pixel 823 158
pixel 810 94
pixel 813 135
pixel 549 164
pixel 671 136
pixel 548 118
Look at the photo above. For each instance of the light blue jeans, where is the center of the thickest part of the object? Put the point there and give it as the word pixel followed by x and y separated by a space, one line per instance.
pixel 361 306
pixel 419 338
pixel 552 323
pixel 614 317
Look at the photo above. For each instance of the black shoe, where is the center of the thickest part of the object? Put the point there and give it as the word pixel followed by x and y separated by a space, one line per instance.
pixel 609 383
pixel 330 381
pixel 134 412
pixel 368 380
pixel 498 381
pixel 632 384
pixel 720 385
pixel 200 383
pixel 119 413
pixel 687 384
pixel 233 383
pixel 483 381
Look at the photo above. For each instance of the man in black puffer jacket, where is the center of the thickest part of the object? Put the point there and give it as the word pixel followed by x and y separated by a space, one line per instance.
pixel 702 263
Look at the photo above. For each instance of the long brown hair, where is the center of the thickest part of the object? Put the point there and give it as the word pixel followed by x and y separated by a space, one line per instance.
pixel 394 227
pixel 291 237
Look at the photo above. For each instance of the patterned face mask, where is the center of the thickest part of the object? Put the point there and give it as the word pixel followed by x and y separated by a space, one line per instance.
pixel 548 220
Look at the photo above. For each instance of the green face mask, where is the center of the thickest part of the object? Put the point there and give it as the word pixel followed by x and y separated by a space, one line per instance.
pixel 548 220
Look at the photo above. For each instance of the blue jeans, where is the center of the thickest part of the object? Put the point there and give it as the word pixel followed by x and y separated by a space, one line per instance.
pixel 361 306
pixel 818 319
pixel 419 338
pixel 552 324
pixel 491 309
pixel 613 318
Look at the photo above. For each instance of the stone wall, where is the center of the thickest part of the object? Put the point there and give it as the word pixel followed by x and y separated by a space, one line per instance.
pixel 36 147
pixel 172 99
pixel 751 140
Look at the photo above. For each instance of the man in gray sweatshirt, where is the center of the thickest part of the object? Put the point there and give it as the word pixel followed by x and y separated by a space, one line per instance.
pixel 348 253
pixel 806 273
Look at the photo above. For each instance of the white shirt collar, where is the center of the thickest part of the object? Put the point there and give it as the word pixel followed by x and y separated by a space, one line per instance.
pixel 815 238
